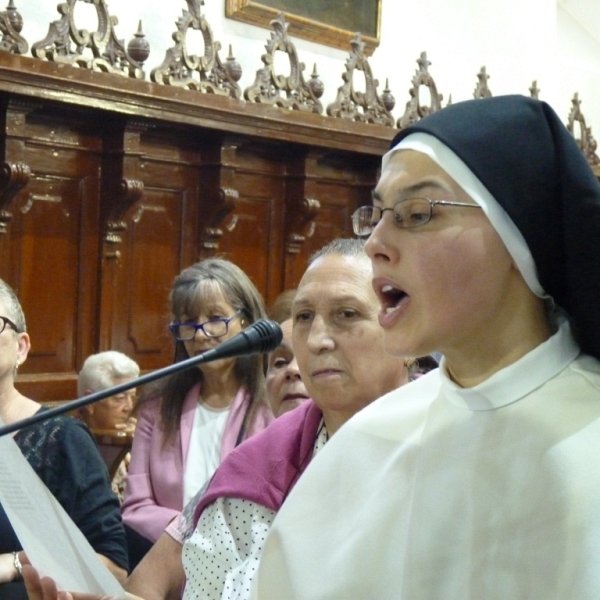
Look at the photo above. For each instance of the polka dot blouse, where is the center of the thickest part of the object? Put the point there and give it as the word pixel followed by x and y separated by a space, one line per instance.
pixel 221 556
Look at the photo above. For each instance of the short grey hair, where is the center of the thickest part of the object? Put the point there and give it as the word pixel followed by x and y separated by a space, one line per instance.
pixel 342 247
pixel 100 370
pixel 13 306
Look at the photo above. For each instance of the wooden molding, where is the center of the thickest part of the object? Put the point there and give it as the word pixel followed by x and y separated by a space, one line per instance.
pixel 41 81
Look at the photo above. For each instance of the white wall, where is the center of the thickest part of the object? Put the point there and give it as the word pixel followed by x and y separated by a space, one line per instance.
pixel 556 42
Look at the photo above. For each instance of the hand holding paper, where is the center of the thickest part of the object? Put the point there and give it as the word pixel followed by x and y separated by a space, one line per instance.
pixel 39 588
pixel 48 535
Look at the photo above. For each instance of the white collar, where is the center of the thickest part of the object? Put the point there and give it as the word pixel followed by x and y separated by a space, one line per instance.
pixel 517 380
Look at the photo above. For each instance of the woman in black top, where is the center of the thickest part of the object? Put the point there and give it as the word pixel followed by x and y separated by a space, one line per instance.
pixel 63 454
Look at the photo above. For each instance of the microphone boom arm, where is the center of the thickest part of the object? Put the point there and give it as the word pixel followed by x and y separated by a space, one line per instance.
pixel 260 337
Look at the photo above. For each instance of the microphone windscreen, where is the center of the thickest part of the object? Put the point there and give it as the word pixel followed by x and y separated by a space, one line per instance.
pixel 264 336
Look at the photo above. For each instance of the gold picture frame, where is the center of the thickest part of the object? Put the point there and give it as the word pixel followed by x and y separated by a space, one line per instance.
pixel 330 22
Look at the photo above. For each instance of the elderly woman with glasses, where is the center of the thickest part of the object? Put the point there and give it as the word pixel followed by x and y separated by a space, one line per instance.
pixel 63 453
pixel 478 480
pixel 193 419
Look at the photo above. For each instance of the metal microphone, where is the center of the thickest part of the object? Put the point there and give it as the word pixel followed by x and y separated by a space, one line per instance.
pixel 260 337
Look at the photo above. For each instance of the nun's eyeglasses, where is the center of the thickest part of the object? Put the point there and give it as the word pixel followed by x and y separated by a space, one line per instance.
pixel 408 213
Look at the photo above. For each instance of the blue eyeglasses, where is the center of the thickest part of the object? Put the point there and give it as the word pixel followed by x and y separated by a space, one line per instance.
pixel 214 328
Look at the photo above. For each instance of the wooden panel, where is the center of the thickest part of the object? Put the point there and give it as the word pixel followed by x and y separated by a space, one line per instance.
pixel 248 241
pixel 50 250
pixel 157 244
pixel 111 187
pixel 323 192
pixel 48 225
pixel 252 234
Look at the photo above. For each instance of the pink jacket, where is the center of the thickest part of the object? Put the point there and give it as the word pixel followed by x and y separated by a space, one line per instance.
pixel 154 487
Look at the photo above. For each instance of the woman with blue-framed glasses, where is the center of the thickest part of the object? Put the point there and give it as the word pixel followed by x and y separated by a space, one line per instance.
pixel 191 420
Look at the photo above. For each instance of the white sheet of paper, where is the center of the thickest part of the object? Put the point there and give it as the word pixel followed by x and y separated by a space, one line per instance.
pixel 53 543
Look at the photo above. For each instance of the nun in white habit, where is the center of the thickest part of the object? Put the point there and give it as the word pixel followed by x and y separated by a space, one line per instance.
pixel 480 480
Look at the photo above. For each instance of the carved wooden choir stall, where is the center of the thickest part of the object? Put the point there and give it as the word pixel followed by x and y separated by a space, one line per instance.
pixel 110 184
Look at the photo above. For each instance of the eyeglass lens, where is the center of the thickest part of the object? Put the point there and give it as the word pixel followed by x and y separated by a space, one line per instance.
pixel 215 328
pixel 4 321
pixel 411 212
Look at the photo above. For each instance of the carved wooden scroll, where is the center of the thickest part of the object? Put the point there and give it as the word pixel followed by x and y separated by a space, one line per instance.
pixel 66 43
pixel 122 184
pixel 414 110
pixel 220 195
pixel 269 87
pixel 586 142
pixel 203 73
pixel 11 24
pixel 481 89
pixel 129 192
pixel 299 216
pixel 211 234
pixel 13 178
pixel 367 106
pixel 301 205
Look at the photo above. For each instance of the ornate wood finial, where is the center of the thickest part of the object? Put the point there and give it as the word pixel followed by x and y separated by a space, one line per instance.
pixel 481 89
pixel 387 97
pixel 138 47
pixel 212 233
pixel 207 73
pixel 11 24
pixel 365 107
pixel 534 90
pixel 269 87
pixel 315 83
pixel 414 111
pixel 66 43
pixel 587 144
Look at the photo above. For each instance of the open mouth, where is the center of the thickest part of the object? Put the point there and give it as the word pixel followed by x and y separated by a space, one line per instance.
pixel 391 298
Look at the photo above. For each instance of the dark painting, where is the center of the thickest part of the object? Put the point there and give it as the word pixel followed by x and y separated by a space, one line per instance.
pixel 351 15
pixel 331 22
